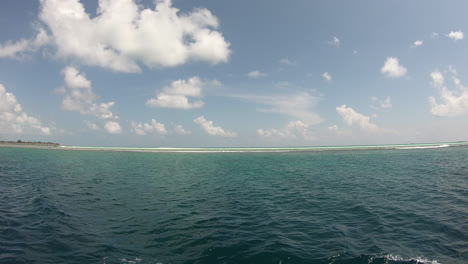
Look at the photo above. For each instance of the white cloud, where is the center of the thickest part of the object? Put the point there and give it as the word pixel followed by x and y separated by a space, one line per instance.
pixel 271 133
pixel 454 102
pixel 173 101
pixel 295 129
pixel 179 129
pixel 333 128
pixel 355 52
pixel 11 50
pixel 434 35
pixel 256 74
pixel 78 96
pixel 416 44
pixel 75 80
pixel 286 61
pixel 154 128
pixel 456 35
pixel 14 120
pixel 387 103
pixel 335 41
pixel 92 126
pixel 176 95
pixel 327 76
pixel 392 68
pixel 384 104
pixel 452 70
pixel 211 129
pixel 112 127
pixel 123 35
pixel 296 105
pixel 351 117
pixel 18 48
pixel 437 79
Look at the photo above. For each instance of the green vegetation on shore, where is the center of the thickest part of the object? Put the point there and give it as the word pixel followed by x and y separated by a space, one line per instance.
pixel 29 143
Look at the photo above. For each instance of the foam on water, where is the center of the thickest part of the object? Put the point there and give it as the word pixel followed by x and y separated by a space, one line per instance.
pixel 387 259
pixel 410 260
pixel 335 259
pixel 129 261
pixel 426 147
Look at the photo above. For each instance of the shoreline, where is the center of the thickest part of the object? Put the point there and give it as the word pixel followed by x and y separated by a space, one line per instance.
pixel 29 145
pixel 240 149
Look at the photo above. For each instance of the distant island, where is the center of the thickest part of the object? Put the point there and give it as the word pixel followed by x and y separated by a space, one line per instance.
pixel 20 143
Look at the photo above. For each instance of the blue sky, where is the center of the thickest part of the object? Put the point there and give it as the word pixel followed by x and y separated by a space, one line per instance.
pixel 233 73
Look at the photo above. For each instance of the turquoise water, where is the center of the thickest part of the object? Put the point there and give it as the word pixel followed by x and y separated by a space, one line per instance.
pixel 354 206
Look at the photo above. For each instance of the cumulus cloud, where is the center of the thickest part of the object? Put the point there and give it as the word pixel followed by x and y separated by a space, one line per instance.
pixel 91 125
pixel 78 96
pixel 456 35
pixel 17 49
pixel 176 95
pixel 387 103
pixel 393 69
pixel 11 50
pixel 179 129
pixel 271 133
pixel 211 129
pixel 335 41
pixel 437 79
pixel 295 129
pixel 154 128
pixel 327 76
pixel 333 128
pixel 454 102
pixel 124 35
pixel 256 74
pixel 416 44
pixel 112 127
pixel 14 120
pixel 352 117
pixel 288 62
pixel 298 105
pixel 383 104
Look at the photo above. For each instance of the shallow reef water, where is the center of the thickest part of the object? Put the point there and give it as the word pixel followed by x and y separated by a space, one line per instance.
pixel 354 206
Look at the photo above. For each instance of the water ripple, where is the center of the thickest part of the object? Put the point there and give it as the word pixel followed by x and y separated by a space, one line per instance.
pixel 379 206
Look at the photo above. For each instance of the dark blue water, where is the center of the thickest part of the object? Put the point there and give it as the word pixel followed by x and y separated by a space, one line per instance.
pixel 377 206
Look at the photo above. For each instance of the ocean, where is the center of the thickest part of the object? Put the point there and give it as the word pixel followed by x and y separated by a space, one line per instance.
pixel 399 204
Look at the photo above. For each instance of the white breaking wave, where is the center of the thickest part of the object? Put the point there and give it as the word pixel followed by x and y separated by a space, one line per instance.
pixel 137 260
pixel 417 260
pixel 426 147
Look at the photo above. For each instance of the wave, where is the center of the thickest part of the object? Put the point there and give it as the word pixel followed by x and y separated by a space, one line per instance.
pixel 337 259
pixel 398 259
pixel 426 147
pixel 377 259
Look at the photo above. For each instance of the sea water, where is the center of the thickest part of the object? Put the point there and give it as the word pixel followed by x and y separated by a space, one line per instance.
pixel 397 205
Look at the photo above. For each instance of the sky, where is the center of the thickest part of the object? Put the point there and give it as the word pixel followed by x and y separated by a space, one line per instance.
pixel 244 73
